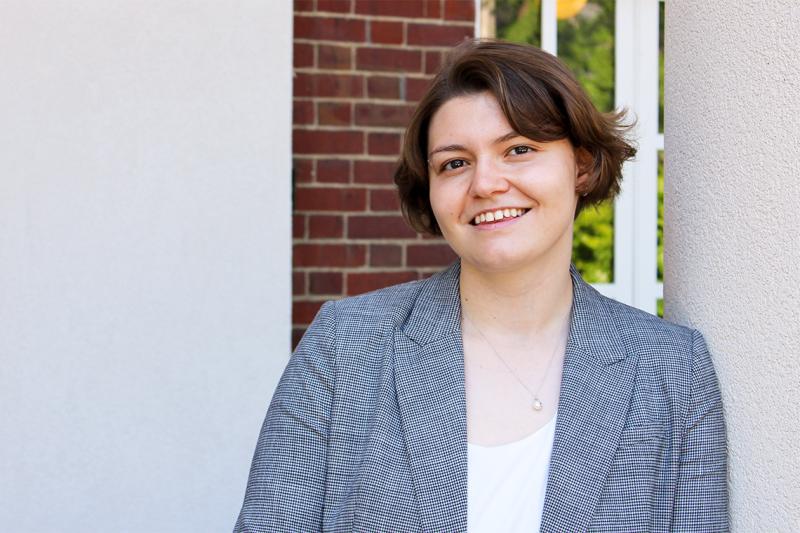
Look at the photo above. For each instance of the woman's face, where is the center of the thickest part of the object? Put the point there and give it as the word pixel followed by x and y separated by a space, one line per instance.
pixel 524 192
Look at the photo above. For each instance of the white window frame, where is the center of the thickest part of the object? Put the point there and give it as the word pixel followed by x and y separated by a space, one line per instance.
pixel 636 89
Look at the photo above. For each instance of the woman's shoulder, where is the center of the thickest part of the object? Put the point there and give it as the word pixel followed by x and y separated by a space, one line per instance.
pixel 393 305
pixel 647 327
pixel 656 341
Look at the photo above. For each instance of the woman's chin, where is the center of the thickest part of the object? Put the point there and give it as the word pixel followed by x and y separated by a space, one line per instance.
pixel 494 263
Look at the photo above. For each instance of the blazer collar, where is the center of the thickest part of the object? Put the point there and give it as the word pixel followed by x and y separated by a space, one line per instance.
pixel 597 382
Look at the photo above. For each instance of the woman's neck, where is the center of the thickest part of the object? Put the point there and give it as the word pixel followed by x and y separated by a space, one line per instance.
pixel 521 305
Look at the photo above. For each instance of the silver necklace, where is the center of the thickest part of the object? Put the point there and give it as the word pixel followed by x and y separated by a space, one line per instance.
pixel 536 404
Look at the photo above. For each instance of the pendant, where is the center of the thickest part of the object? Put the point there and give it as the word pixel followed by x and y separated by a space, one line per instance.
pixel 537 405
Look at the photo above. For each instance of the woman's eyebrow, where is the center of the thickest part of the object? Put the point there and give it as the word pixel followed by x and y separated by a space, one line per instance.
pixel 507 137
pixel 458 147
pixel 448 148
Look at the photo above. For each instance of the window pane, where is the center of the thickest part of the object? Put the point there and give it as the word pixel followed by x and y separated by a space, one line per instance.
pixel 519 20
pixel 586 45
pixel 593 243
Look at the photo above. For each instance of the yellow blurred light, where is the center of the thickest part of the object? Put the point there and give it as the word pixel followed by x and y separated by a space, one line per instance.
pixel 569 8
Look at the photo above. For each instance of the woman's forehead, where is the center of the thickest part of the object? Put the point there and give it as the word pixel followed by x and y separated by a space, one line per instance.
pixel 473 116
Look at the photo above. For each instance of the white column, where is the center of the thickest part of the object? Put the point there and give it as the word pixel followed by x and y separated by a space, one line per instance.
pixel 145 171
pixel 732 250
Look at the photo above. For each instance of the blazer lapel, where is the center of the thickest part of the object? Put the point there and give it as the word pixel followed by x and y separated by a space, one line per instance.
pixel 596 388
pixel 429 378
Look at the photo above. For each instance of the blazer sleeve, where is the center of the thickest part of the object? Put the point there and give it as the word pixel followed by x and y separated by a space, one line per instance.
pixel 702 493
pixel 285 490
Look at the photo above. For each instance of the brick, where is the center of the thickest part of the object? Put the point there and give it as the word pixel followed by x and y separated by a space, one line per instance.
pixel 326 283
pixel 298 283
pixel 298 226
pixel 383 143
pixel 328 85
pixel 327 28
pixel 433 9
pixel 383 87
pixel 338 6
pixel 429 255
pixel 378 227
pixel 327 142
pixel 334 113
pixel 325 226
pixel 333 170
pixel 329 199
pixel 304 312
pixel 386 32
pixel 303 170
pixel 433 60
pixel 397 115
pixel 416 88
pixel 334 57
pixel 303 55
pixel 361 282
pixel 459 10
pixel 388 59
pixel 329 255
pixel 383 255
pixel 438 35
pixel 302 112
pixel 391 8
pixel 303 5
pixel 384 200
pixel 374 172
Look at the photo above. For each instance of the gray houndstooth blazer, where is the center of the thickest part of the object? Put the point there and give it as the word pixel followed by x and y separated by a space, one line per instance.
pixel 367 428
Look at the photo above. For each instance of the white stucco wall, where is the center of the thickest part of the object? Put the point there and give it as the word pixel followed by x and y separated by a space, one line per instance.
pixel 732 200
pixel 145 262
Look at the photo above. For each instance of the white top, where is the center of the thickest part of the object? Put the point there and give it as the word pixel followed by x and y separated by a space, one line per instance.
pixel 506 483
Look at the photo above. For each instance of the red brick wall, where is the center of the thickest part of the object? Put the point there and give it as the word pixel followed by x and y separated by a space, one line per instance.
pixel 360 65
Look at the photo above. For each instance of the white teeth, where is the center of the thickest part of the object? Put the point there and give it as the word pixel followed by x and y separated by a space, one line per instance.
pixel 500 214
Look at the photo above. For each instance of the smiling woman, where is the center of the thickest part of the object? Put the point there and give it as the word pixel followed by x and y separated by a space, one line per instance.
pixel 504 393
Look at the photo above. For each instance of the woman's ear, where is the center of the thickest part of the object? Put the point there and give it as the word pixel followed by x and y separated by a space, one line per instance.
pixel 583 167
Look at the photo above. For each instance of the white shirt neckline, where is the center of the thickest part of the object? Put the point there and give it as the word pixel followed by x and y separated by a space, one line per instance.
pixel 530 437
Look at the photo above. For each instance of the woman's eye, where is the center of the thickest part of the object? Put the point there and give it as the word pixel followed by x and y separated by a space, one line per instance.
pixel 454 164
pixel 519 150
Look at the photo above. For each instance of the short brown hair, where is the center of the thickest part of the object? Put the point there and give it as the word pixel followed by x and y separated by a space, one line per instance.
pixel 541 100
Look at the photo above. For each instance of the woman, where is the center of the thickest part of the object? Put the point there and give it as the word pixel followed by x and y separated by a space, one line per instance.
pixel 503 394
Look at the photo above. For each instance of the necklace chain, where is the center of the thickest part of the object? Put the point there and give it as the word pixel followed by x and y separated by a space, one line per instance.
pixel 536 404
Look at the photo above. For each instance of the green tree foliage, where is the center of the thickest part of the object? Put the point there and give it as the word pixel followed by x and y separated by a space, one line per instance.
pixel 519 21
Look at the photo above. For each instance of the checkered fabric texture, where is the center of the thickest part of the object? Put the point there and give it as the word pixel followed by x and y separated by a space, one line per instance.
pixel 367 428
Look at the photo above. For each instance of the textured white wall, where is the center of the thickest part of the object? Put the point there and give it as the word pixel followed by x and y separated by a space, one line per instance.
pixel 732 250
pixel 145 297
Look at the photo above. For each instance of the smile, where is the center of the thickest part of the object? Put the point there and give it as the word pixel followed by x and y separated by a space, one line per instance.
pixel 497 215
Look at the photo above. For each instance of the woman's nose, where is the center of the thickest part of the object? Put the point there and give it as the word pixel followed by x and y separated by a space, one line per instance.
pixel 488 179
